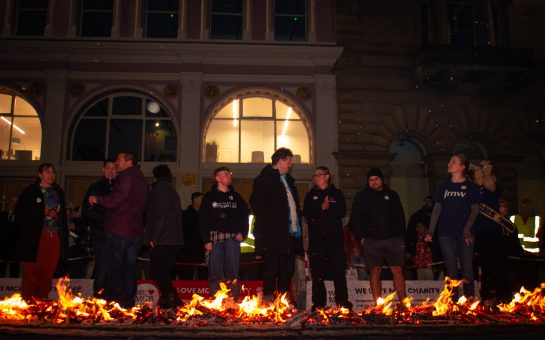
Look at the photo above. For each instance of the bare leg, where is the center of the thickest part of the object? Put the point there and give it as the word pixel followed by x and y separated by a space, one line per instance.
pixel 376 284
pixel 399 282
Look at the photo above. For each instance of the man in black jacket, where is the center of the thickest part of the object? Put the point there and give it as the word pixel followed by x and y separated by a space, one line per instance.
pixel 193 252
pixel 223 220
pixel 94 217
pixel 277 228
pixel 164 233
pixel 377 219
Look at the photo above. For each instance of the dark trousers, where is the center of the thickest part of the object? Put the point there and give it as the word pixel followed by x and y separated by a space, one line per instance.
pixel 162 260
pixel 327 252
pixel 122 273
pixel 494 265
pixel 100 270
pixel 278 269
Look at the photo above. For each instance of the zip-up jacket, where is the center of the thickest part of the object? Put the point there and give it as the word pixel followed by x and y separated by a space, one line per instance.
pixel 377 214
pixel 329 221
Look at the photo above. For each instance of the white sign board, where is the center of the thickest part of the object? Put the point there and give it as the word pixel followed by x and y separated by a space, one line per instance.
pixel 359 292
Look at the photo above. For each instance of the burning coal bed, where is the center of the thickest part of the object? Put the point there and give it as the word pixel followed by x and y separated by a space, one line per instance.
pixel 221 315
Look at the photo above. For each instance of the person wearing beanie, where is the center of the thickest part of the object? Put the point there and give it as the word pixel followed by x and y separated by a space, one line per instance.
pixel 378 221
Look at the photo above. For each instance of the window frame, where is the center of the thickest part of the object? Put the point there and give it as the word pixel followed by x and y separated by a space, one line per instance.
pixel 146 12
pixel 143 118
pixel 211 14
pixel 11 115
pixel 81 15
pixel 302 117
pixel 305 16
pixel 18 11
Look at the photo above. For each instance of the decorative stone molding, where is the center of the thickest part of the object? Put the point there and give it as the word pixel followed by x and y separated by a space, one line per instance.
pixel 77 89
pixel 211 91
pixel 304 93
pixel 36 88
pixel 170 90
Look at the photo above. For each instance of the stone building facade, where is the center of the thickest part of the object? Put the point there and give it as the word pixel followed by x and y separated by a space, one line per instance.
pixel 418 80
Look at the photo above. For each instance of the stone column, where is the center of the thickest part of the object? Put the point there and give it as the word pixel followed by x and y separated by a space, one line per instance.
pixel 326 122
pixel 7 27
pixel 53 119
pixel 190 132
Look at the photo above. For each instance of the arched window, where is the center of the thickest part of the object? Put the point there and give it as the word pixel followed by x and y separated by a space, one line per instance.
pixel 250 129
pixel 20 129
pixel 124 121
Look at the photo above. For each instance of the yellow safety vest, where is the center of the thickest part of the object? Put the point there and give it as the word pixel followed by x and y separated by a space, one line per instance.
pixel 528 232
pixel 248 246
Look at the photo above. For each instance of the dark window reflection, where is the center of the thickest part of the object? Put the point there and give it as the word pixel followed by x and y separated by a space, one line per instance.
pixel 107 131
pixel 160 141
pixel 100 109
pixel 290 20
pixel 125 134
pixel 226 19
pixel 461 24
pixel 162 19
pixel 31 17
pixel 96 18
pixel 89 140
pixel 127 106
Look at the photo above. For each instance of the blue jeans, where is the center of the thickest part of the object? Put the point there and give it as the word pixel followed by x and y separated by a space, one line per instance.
pixel 223 264
pixel 122 273
pixel 454 248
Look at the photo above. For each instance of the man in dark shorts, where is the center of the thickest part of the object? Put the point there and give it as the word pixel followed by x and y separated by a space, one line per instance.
pixel 378 221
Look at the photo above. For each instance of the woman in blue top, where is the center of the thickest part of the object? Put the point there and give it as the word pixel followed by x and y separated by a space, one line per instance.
pixel 455 210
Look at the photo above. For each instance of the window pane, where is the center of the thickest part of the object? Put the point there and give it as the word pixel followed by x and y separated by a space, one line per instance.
pixel 30 22
pixel 100 109
pixel 293 135
pixel 289 7
pixel 283 111
pixel 461 21
pixel 5 103
pixel 96 24
pixel 125 135
pixel 226 27
pixel 227 6
pixel 163 5
pixel 257 107
pixel 26 138
pixel 162 25
pixel 98 4
pixel 224 133
pixel 23 108
pixel 230 110
pixel 290 28
pixel 154 109
pixel 257 141
pixel 89 140
pixel 127 105
pixel 160 143
pixel 5 127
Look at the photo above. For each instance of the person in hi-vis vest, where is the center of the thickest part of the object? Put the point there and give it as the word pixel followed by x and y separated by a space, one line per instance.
pixel 528 225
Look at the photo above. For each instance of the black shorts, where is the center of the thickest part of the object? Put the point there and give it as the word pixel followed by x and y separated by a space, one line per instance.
pixel 390 252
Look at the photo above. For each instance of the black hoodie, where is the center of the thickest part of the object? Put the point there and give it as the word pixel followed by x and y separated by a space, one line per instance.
pixel 223 211
pixel 377 214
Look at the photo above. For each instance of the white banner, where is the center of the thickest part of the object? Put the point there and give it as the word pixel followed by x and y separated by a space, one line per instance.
pixel 10 286
pixel 359 292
